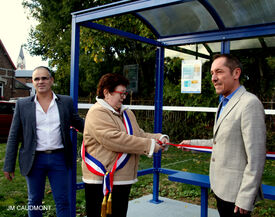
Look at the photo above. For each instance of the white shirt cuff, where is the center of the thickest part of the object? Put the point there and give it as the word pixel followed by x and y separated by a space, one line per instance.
pixel 152 148
pixel 164 135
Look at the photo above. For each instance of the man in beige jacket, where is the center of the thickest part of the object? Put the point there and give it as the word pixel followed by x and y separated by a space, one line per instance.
pixel 239 141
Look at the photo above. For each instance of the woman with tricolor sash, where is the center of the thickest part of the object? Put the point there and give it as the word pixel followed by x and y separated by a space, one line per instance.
pixel 112 144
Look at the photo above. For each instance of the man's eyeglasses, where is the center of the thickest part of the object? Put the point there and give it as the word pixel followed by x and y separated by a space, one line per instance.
pixel 41 78
pixel 122 93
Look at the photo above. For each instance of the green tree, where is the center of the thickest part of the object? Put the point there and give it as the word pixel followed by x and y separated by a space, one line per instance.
pixel 172 86
pixel 100 52
pixel 258 74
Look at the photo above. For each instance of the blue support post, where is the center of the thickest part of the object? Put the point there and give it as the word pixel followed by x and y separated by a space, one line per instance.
pixel 74 95
pixel 225 47
pixel 204 201
pixel 158 120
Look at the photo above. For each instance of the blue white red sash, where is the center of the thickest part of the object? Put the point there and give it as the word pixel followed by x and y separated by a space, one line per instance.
pixel 97 167
pixel 269 155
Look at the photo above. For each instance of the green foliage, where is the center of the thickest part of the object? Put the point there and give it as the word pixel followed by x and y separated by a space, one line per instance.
pixel 172 87
pixel 180 125
pixel 100 53
pixel 187 125
pixel 258 74
pixel 15 193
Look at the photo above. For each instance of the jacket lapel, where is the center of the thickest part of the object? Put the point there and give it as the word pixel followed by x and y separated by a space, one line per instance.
pixel 230 105
pixel 32 114
pixel 60 110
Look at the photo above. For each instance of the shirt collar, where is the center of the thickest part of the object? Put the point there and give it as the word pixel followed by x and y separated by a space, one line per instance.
pixel 54 97
pixel 230 95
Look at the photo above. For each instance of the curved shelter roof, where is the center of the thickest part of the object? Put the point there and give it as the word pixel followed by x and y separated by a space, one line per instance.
pixel 180 22
pixel 176 23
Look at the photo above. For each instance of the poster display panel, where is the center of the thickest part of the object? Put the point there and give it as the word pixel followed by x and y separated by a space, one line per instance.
pixel 191 76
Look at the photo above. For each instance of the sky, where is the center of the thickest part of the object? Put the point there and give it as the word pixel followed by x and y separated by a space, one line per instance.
pixel 14 31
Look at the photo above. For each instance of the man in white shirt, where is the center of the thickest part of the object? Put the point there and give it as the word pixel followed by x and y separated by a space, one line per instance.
pixel 43 123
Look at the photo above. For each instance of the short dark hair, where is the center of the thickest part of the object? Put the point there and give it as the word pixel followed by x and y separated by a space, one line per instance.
pixel 232 62
pixel 43 67
pixel 109 82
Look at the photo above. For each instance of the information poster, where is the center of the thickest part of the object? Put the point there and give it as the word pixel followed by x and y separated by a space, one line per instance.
pixel 131 73
pixel 191 76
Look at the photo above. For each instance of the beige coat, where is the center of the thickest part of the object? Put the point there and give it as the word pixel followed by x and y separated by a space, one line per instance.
pixel 239 150
pixel 105 136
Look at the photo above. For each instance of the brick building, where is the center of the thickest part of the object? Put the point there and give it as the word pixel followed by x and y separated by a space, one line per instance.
pixel 9 86
pixel 25 76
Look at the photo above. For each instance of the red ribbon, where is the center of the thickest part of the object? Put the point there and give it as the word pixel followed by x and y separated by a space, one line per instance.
pixel 207 148
pixel 183 145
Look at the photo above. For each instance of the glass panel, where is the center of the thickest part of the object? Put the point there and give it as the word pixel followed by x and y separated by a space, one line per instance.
pixel 191 47
pixel 252 43
pixel 237 45
pixel 270 41
pixel 215 47
pixel 235 13
pixel 179 19
pixel 245 44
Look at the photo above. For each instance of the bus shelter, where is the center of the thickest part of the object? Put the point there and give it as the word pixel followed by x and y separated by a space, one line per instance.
pixel 176 23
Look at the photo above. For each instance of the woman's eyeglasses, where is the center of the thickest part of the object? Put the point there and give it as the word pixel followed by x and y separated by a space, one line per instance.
pixel 122 93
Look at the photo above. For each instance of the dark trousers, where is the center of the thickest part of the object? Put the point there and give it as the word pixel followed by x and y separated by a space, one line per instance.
pixel 94 197
pixel 53 166
pixel 226 209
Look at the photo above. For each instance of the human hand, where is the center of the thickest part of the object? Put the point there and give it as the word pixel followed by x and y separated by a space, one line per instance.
pixel 184 142
pixel 9 175
pixel 158 147
pixel 241 211
pixel 165 142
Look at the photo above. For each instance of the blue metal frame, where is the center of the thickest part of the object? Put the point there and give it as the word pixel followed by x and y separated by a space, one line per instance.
pixel 204 202
pixel 229 34
pixel 225 47
pixel 74 62
pixel 74 95
pixel 121 33
pixel 213 13
pixel 158 119
pixel 84 18
pixel 131 7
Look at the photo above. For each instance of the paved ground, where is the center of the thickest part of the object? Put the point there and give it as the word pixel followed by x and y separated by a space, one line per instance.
pixel 142 207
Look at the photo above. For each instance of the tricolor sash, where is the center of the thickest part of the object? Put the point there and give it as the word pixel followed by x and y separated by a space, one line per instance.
pixel 97 168
pixel 270 155
pixel 208 149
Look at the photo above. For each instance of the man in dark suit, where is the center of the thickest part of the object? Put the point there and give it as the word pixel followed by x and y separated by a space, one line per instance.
pixel 43 123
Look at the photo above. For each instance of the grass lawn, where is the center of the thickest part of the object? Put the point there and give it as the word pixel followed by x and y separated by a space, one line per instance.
pixel 13 195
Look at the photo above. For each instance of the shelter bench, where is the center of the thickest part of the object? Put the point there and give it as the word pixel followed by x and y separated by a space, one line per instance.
pixel 203 182
pixel 195 179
